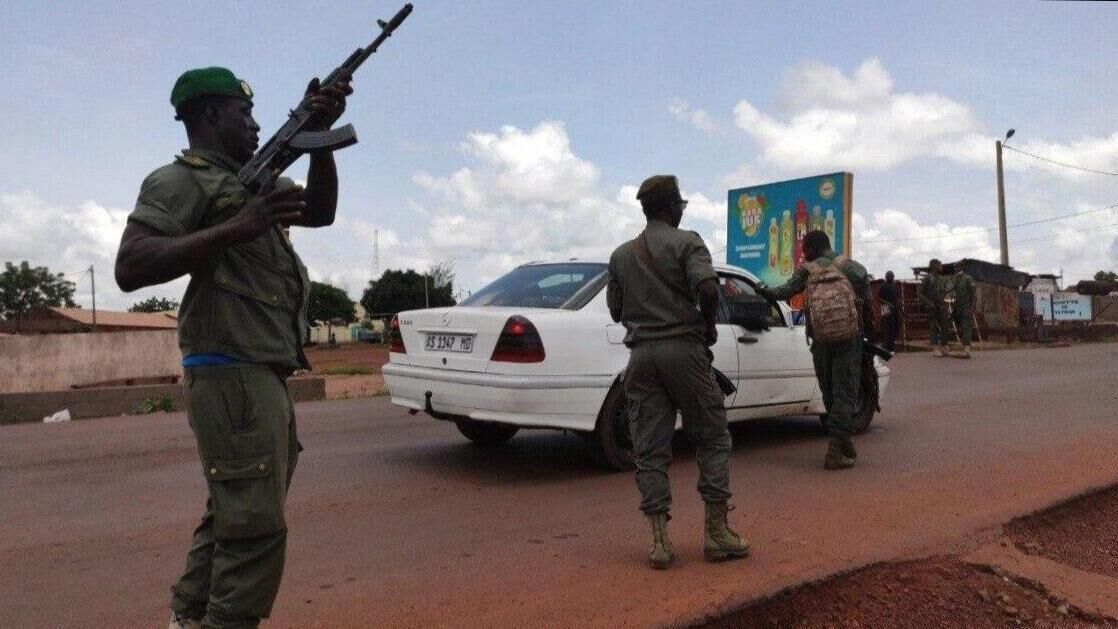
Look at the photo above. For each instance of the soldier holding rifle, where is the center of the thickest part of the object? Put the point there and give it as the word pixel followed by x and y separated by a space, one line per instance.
pixel 217 213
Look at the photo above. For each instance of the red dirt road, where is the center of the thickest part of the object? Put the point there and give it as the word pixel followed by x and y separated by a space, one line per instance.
pixel 396 521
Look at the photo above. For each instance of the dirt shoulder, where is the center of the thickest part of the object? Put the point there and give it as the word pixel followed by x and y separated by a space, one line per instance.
pixel 1055 568
pixel 351 370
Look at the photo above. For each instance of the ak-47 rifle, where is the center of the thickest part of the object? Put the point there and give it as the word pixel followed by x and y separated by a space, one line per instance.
pixel 301 134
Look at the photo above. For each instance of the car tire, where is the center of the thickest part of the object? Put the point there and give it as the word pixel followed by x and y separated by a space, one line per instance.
pixel 488 434
pixel 610 443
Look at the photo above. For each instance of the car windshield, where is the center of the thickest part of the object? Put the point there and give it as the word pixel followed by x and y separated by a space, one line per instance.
pixel 567 285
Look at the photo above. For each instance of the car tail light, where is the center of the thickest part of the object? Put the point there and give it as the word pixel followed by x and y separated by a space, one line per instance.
pixel 395 337
pixel 519 343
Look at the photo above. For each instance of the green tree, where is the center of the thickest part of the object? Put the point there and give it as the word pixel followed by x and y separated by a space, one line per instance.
pixel 1106 276
pixel 396 291
pixel 24 288
pixel 330 304
pixel 154 304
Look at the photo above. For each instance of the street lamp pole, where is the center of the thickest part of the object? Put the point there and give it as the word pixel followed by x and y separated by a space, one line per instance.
pixel 1003 237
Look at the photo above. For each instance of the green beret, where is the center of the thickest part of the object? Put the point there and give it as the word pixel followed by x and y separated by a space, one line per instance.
pixel 658 186
pixel 208 81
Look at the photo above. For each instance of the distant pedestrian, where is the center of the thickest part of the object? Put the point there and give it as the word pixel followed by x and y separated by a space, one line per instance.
pixel 663 288
pixel 963 310
pixel 933 292
pixel 889 296
pixel 837 302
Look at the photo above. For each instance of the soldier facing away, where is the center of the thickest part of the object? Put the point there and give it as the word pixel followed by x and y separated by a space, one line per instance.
pixel 963 310
pixel 240 330
pixel 933 292
pixel 663 288
pixel 839 316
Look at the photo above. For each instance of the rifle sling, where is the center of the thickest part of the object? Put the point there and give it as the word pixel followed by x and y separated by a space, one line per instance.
pixel 640 246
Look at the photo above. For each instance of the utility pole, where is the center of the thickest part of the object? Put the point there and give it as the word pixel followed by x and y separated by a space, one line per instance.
pixel 1003 238
pixel 376 254
pixel 93 290
pixel 426 297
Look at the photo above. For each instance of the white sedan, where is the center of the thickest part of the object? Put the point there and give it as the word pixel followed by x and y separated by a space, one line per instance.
pixel 537 349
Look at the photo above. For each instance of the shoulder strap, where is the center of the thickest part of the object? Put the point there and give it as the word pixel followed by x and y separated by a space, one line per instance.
pixel 640 246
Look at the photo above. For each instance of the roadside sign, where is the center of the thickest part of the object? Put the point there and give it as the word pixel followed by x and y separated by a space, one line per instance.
pixel 766 224
pixel 1063 306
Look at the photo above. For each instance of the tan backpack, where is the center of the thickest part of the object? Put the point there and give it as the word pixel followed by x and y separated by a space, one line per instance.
pixel 832 306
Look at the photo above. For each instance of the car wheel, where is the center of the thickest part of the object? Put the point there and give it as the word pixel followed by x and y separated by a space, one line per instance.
pixel 867 403
pixel 486 433
pixel 610 442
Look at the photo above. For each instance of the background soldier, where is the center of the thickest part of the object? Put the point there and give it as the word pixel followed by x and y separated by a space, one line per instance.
pixel 653 283
pixel 933 292
pixel 889 295
pixel 240 330
pixel 963 311
pixel 838 365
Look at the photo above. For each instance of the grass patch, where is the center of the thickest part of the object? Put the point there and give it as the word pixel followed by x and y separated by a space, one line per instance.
pixel 348 370
pixel 151 405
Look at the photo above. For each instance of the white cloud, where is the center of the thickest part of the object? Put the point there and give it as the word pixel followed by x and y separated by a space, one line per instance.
pixel 833 121
pixel 69 240
pixel 1094 153
pixel 697 118
pixel 525 195
pixel 858 122
pixel 891 239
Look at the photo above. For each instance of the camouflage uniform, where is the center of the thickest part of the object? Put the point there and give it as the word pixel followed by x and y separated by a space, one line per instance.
pixel 838 366
pixel 669 364
pixel 934 288
pixel 248 305
pixel 963 313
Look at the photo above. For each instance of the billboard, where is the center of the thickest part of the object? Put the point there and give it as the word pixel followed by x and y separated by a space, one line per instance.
pixel 767 223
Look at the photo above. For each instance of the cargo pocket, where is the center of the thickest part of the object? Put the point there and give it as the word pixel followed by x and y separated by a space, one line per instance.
pixel 246 497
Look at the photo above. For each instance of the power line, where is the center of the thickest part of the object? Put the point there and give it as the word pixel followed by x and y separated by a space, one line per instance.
pixel 989 229
pixel 1059 163
pixel 1016 242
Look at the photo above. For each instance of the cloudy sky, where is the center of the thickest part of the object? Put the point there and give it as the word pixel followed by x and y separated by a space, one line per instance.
pixel 496 132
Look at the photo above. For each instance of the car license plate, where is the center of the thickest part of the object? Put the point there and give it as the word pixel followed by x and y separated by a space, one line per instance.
pixel 449 343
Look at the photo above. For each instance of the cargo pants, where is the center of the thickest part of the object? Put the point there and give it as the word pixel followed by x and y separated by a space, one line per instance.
pixel 838 367
pixel 964 322
pixel 666 376
pixel 939 326
pixel 244 423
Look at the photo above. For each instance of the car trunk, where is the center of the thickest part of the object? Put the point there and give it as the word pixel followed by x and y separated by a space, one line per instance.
pixel 436 337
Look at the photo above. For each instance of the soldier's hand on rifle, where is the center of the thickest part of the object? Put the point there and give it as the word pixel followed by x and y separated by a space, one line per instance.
pixel 269 207
pixel 329 101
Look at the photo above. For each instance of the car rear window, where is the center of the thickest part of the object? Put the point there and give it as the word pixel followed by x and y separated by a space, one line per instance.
pixel 566 285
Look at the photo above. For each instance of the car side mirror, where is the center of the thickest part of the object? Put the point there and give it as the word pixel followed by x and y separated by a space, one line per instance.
pixel 750 312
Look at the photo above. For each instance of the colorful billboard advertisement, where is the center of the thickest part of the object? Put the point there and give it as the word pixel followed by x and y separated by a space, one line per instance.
pixel 767 223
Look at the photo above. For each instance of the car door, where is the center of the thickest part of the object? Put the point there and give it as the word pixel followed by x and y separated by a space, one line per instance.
pixel 775 373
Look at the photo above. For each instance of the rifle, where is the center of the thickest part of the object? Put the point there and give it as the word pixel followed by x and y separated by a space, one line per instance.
pixel 872 349
pixel 300 133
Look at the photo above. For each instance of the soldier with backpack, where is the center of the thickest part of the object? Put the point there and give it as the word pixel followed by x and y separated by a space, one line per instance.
pixel 837 297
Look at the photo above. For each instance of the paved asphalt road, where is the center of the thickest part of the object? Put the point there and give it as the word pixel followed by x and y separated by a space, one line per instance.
pixel 396 521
